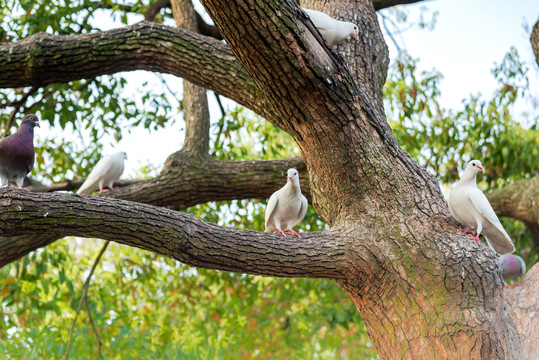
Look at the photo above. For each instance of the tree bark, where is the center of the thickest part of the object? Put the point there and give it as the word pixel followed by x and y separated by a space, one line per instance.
pixel 524 310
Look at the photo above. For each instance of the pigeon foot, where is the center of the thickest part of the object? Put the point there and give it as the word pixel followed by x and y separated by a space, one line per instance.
pixel 467 231
pixel 476 237
pixel 280 232
pixel 292 232
pixel 103 190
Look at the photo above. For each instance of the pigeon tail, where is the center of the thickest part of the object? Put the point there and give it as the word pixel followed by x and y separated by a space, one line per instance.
pixel 499 241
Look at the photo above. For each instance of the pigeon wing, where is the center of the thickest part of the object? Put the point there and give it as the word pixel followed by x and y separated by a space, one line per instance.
pixel 320 20
pixel 270 209
pixel 302 210
pixel 102 167
pixel 496 236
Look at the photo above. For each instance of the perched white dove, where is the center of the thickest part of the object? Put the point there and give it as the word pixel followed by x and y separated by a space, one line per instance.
pixel 105 173
pixel 470 207
pixel 333 30
pixel 286 207
pixel 513 266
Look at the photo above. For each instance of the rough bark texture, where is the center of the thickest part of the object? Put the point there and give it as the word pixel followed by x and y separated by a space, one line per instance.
pixel 524 310
pixel 174 234
pixel 423 289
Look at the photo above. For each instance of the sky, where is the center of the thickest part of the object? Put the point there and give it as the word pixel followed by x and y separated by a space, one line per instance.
pixel 469 37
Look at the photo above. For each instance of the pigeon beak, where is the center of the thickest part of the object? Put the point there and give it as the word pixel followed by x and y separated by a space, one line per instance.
pixel 481 168
pixel 36 123
pixel 357 36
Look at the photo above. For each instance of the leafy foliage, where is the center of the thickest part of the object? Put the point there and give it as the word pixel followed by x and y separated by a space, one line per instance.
pixel 445 140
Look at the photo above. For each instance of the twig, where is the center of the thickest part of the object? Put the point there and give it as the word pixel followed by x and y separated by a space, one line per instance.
pixel 18 104
pixel 88 310
pixel 222 120
pixel 84 293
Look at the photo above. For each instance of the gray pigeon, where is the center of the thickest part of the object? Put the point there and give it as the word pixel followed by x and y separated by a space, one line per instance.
pixel 513 266
pixel 470 207
pixel 333 30
pixel 105 173
pixel 17 153
pixel 286 207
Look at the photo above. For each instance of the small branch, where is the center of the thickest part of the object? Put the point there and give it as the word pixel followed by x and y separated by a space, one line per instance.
pixel 153 9
pixel 206 29
pixel 83 296
pixel 18 104
pixel 222 120
pixel 96 332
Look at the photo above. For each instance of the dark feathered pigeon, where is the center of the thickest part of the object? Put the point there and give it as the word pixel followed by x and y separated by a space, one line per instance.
pixel 17 153
pixel 513 266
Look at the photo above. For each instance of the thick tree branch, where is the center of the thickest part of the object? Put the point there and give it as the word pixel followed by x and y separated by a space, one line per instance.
pixel 177 235
pixel 519 200
pixel 187 183
pixel 44 59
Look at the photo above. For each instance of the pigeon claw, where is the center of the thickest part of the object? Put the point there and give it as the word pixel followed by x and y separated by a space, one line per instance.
pixel 476 237
pixel 292 232
pixel 280 232
pixel 467 231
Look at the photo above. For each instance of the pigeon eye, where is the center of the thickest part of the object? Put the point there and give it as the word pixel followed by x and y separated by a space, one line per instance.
pixel 473 164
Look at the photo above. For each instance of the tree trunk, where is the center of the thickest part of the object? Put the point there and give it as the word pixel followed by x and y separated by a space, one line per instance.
pixel 524 310
pixel 422 288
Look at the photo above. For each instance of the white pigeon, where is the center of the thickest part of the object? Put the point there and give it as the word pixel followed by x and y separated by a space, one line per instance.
pixel 286 207
pixel 470 207
pixel 104 174
pixel 333 30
